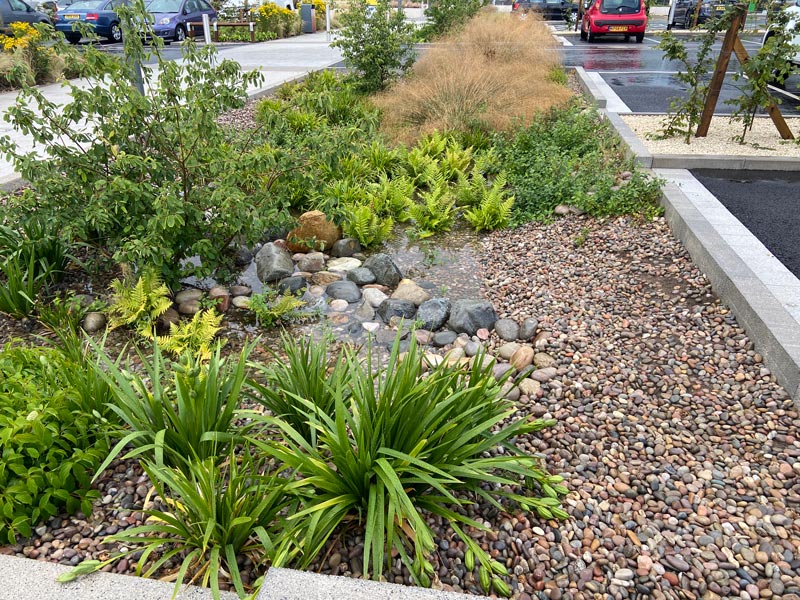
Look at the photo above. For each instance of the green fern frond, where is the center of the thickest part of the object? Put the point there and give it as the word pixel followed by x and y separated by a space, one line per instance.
pixel 366 226
pixel 139 306
pixel 433 145
pixel 272 310
pixel 436 210
pixel 196 335
pixel 391 197
pixel 494 208
pixel 455 161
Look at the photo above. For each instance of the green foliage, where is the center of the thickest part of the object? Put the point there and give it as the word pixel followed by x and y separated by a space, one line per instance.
pixel 378 45
pixel 367 227
pixel 174 424
pixel 572 156
pixel 302 373
pixel 272 309
pixel 492 209
pixel 214 516
pixel 195 336
pixel 49 444
pixel 391 197
pixel 150 178
pixel 399 446
pixel 139 306
pixel 445 16
pixel 684 113
pixel 436 209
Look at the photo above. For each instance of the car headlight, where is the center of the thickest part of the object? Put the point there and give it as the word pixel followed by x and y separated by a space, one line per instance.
pixel 165 21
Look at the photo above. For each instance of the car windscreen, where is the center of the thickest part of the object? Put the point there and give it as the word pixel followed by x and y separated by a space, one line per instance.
pixel 164 6
pixel 87 5
pixel 619 6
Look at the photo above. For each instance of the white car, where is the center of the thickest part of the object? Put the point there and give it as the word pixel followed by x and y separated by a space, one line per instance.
pixel 794 18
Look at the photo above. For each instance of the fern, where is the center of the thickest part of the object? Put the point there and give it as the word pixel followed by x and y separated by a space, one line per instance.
pixel 455 161
pixel 272 310
pixel 436 211
pixel 417 164
pixel 381 158
pixel 391 197
pixel 195 336
pixel 487 163
pixel 139 306
pixel 494 207
pixel 433 145
pixel 367 227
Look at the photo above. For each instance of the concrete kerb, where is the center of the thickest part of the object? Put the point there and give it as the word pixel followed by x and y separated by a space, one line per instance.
pixel 763 295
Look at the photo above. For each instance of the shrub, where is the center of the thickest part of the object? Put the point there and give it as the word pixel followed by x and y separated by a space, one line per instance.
pixel 377 45
pixel 488 77
pixel 175 424
pixel 275 20
pixel 399 446
pixel 49 443
pixel 151 181
pixel 446 15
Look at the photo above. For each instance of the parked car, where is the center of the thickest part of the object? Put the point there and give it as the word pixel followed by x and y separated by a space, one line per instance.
pixel 686 9
pixel 554 10
pixel 100 14
pixel 171 16
pixel 614 17
pixel 18 11
pixel 793 24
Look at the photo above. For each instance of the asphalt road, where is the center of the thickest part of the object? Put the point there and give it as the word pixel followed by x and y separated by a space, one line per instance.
pixel 644 80
pixel 766 202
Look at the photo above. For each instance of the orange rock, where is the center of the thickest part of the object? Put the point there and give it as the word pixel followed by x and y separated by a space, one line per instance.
pixel 315 232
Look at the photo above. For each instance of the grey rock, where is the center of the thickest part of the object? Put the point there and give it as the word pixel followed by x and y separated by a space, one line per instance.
pixel 542 375
pixel 373 296
pixel 409 290
pixel 241 301
pixel 345 247
pixel 528 329
pixel 273 263
pixel 385 271
pixel 365 311
pixel 190 307
pixel 344 290
pixel 561 210
pixel 433 314
pixel 188 294
pixel 443 338
pixel 506 351
pixel 292 285
pixel 240 290
pixel 396 308
pixel 344 264
pixel 507 329
pixel 243 256
pixel 361 276
pixel 93 322
pixel 468 316
pixel 529 387
pixel 472 348
pixel 311 262
pixel 166 320
pixel 543 360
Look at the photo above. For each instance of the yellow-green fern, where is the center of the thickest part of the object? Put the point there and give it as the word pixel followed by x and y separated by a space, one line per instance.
pixel 196 336
pixel 139 306
pixel 367 227
pixel 493 210
pixel 436 210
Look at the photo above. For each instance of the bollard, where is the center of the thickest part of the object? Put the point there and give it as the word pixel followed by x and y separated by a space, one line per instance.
pixel 207 29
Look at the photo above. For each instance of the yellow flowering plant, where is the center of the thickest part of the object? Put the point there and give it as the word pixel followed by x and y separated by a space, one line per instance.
pixel 22 36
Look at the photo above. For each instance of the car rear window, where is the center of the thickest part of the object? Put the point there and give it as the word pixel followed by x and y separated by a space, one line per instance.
pixel 87 5
pixel 164 6
pixel 619 6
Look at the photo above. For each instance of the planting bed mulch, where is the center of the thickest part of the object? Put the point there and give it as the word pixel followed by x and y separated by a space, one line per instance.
pixel 677 444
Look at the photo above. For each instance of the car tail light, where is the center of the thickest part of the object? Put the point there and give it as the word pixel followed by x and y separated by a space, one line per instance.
pixel 515 6
pixel 92 16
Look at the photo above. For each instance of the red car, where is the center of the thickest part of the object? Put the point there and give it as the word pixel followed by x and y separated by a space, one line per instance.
pixel 614 17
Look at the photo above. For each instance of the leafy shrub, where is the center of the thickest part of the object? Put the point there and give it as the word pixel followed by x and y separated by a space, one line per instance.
pixel 175 424
pixel 446 15
pixel 49 445
pixel 195 336
pixel 214 516
pixel 399 446
pixel 378 45
pixel 139 306
pixel 152 178
pixel 278 21
pixel 573 157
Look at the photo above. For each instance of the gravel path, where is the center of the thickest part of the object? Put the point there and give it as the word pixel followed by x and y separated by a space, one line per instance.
pixel 763 140
pixel 677 442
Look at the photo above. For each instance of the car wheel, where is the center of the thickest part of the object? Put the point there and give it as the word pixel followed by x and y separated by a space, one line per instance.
pixel 180 33
pixel 115 33
pixel 73 38
pixel 639 38
pixel 627 38
pixel 591 36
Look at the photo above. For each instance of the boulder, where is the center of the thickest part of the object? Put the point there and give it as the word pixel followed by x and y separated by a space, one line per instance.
pixel 543 375
pixel 166 320
pixel 292 284
pixel 543 360
pixel 325 277
pixel 507 329
pixel 529 387
pixel 433 313
pixel 365 311
pixel 95 321
pixel 188 294
pixel 345 247
pixel 273 263
pixel 373 297
pixel 444 338
pixel 343 264
pixel 314 232
pixel 409 290
pixel 384 269
pixel 361 276
pixel 506 351
pixel 241 290
pixel 190 307
pixel 396 308
pixel 222 296
pixel 241 301
pixel 339 305
pixel 468 316
pixel 344 290
pixel 311 262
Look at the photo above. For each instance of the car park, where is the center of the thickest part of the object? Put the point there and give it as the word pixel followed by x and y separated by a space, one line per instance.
pixel 101 15
pixel 624 18
pixel 171 18
pixel 549 9
pixel 19 11
pixel 793 25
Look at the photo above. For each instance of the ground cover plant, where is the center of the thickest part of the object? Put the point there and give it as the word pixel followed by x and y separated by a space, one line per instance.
pixel 28 56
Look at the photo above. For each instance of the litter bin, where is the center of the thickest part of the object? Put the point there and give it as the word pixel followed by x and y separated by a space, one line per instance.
pixel 308 18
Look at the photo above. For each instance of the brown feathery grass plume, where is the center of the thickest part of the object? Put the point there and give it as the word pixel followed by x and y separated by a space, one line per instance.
pixel 499 70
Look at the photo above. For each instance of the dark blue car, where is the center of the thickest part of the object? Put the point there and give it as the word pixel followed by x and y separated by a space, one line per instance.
pixel 100 14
